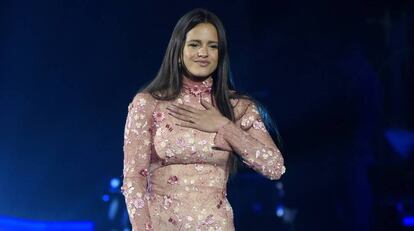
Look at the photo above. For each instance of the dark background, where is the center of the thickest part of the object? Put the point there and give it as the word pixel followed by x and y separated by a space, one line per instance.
pixel 336 77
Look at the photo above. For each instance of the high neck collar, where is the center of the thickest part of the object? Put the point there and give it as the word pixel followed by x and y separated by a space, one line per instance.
pixel 197 87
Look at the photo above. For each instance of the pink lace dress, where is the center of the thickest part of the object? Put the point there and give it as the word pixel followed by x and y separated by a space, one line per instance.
pixel 173 178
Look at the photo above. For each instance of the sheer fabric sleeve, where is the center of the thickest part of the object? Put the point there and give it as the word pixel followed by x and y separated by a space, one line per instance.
pixel 137 150
pixel 249 138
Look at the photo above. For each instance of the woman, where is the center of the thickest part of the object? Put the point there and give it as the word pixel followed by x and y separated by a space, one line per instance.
pixel 184 131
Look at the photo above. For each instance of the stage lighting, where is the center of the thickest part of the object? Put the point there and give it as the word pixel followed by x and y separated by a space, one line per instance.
pixel 115 183
pixel 280 210
pixel 105 197
pixel 408 221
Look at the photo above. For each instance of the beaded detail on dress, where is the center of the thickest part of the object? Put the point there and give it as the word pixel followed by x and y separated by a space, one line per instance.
pixel 197 88
pixel 175 177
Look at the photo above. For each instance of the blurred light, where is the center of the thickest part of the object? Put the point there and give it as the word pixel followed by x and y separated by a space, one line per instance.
pixel 115 182
pixel 408 221
pixel 279 189
pixel 105 197
pixel 289 215
pixel 113 209
pixel 17 224
pixel 280 211
pixel 279 185
pixel 402 141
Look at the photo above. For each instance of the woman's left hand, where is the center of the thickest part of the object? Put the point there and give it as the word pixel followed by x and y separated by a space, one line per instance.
pixel 209 120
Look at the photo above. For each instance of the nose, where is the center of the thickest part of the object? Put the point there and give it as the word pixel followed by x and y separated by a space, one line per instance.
pixel 202 52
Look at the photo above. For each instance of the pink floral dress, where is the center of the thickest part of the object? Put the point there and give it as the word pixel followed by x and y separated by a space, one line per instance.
pixel 173 178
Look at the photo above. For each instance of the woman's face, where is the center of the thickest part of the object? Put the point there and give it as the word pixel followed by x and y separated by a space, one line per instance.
pixel 200 53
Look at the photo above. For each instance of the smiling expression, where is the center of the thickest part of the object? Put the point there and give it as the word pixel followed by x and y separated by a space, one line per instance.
pixel 200 53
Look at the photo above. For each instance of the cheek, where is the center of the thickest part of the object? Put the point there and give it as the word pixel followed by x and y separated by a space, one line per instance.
pixel 215 59
pixel 187 54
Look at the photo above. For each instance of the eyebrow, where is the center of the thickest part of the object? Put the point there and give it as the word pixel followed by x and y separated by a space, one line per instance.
pixel 199 41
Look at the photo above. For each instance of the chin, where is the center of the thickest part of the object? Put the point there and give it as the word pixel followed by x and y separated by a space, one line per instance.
pixel 201 74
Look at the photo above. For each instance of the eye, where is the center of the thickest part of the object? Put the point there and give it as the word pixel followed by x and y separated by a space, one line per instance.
pixel 193 44
pixel 214 46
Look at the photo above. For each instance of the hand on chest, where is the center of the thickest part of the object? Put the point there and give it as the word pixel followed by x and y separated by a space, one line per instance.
pixel 176 144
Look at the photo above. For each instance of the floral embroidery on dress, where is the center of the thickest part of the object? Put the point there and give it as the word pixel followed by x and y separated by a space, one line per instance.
pixel 173 179
pixel 169 153
pixel 198 167
pixel 219 204
pixel 197 88
pixel 181 142
pixel 139 203
pixel 159 117
pixel 148 227
pixel 142 102
pixel 259 125
pixel 144 172
pixel 209 220
pixel 167 202
pixel 245 122
pixel 172 220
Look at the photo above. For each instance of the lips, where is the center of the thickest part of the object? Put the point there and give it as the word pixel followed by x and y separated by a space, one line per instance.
pixel 203 63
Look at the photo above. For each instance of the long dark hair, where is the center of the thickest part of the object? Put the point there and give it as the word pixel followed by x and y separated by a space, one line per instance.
pixel 168 82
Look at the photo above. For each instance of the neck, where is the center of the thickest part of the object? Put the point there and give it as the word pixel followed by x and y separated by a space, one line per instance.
pixel 192 78
pixel 197 85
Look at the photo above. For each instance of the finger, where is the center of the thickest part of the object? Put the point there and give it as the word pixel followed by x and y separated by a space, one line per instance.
pixel 205 104
pixel 179 110
pixel 181 117
pixel 220 148
pixel 185 107
pixel 186 124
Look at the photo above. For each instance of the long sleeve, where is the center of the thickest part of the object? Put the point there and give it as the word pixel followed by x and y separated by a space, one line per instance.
pixel 137 150
pixel 253 143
